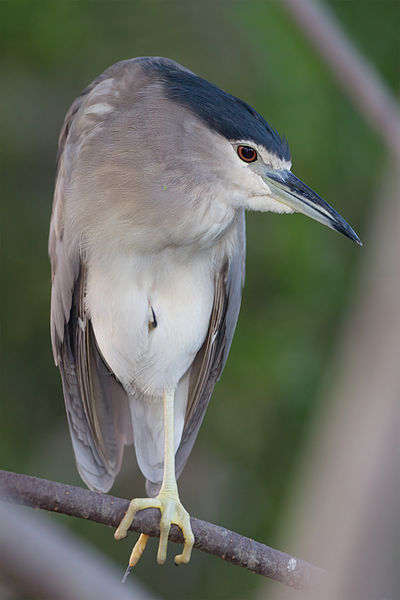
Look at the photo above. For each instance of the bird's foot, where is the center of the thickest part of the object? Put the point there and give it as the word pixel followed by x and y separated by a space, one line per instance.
pixel 172 512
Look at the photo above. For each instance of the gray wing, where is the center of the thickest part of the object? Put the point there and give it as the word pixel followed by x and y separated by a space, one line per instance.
pixel 210 360
pixel 96 404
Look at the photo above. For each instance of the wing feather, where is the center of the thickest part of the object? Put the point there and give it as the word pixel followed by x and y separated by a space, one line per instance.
pixel 97 405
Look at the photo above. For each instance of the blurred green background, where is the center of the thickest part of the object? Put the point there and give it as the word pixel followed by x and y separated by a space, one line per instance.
pixel 300 275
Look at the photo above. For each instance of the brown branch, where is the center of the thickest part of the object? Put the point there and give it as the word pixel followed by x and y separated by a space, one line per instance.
pixel 216 540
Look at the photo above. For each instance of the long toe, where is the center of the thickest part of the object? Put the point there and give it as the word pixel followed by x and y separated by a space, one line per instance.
pixel 138 549
pixel 167 513
pixel 135 506
pixel 184 558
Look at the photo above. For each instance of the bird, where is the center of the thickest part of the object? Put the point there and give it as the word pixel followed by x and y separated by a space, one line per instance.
pixel 156 167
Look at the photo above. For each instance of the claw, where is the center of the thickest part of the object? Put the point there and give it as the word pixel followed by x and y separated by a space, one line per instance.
pixel 126 574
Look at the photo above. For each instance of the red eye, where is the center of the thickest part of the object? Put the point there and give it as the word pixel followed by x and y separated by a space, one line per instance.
pixel 247 153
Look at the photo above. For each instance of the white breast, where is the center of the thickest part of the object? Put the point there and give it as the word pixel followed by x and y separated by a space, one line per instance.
pixel 179 286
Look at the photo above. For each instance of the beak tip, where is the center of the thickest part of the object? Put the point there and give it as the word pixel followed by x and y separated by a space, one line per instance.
pixel 355 237
pixel 342 227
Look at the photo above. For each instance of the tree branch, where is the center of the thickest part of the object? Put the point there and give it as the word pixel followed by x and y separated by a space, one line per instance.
pixel 210 538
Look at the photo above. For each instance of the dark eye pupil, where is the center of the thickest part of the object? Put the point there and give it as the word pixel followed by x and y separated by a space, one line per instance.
pixel 247 153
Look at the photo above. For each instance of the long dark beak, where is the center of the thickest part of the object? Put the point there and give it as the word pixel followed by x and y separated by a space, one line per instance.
pixel 290 190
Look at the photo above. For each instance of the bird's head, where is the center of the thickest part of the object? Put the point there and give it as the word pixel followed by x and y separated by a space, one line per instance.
pixel 233 144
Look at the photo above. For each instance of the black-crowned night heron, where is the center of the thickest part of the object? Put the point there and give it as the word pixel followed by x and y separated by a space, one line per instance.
pixel 156 167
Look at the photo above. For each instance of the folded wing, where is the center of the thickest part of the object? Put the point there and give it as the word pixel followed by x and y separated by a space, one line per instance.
pixel 96 403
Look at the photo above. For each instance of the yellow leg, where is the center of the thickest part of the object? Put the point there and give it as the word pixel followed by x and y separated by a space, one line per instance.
pixel 171 508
